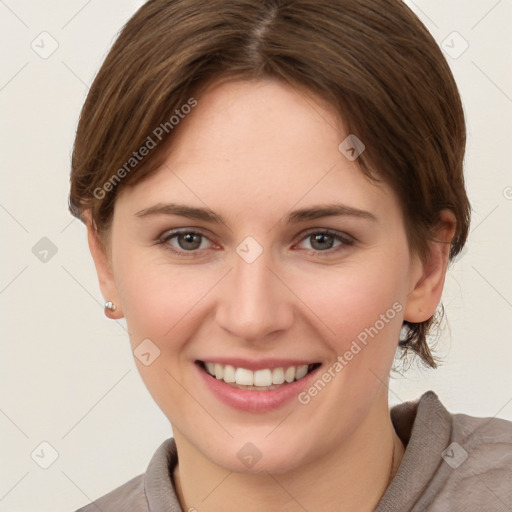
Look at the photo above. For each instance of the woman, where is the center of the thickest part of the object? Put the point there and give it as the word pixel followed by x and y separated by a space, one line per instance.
pixel 272 192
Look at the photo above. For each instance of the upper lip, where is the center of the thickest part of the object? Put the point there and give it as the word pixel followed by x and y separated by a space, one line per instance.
pixel 261 364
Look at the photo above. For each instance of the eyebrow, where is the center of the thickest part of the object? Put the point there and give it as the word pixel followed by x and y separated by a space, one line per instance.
pixel 207 215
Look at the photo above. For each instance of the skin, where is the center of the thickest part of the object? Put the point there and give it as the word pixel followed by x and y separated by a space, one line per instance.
pixel 252 152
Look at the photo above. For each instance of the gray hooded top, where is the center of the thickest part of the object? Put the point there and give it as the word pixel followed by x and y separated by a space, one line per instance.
pixel 452 463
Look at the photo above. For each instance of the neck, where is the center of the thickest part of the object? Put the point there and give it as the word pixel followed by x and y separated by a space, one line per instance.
pixel 353 476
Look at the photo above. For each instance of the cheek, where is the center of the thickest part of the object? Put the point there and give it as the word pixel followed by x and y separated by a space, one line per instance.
pixel 360 310
pixel 354 298
pixel 162 301
pixel 362 306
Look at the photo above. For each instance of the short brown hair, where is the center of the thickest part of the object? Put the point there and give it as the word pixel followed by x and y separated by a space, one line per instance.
pixel 372 60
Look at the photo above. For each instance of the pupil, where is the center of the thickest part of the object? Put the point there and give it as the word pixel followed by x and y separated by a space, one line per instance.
pixel 189 242
pixel 322 238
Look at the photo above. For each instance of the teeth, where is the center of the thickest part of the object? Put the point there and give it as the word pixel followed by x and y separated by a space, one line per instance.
pixel 259 378
pixel 301 372
pixel 277 376
pixel 263 378
pixel 289 374
pixel 229 373
pixel 244 377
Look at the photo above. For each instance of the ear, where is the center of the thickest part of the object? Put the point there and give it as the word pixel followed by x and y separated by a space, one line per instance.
pixel 428 276
pixel 100 255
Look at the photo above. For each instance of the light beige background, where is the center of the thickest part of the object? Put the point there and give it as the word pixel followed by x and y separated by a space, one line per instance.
pixel 67 374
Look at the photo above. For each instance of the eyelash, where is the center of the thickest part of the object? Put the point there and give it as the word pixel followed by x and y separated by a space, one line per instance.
pixel 345 239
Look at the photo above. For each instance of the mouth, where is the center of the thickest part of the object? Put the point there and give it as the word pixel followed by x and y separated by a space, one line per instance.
pixel 263 379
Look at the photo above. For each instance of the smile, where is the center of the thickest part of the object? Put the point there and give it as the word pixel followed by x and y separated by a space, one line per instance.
pixel 264 379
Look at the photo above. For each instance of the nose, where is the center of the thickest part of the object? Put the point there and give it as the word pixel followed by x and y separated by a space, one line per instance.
pixel 255 304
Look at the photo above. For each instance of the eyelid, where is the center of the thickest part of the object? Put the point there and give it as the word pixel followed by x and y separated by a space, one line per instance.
pixel 332 232
pixel 166 236
pixel 170 233
pixel 344 238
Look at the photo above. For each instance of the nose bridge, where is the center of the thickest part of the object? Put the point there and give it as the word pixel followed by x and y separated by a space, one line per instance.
pixel 255 303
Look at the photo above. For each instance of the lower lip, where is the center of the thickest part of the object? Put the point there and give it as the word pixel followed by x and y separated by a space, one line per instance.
pixel 255 401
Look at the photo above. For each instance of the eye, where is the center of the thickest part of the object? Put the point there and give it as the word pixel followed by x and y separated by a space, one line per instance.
pixel 184 241
pixel 187 242
pixel 325 240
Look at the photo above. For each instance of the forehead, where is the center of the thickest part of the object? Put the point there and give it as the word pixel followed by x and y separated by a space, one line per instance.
pixel 260 147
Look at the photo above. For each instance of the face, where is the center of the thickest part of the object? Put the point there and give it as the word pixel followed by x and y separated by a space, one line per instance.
pixel 259 247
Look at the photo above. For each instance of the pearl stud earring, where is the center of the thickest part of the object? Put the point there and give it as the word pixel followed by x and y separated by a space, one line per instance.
pixel 110 306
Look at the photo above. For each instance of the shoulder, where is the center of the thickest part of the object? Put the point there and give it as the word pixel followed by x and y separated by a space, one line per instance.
pixel 482 431
pixel 484 445
pixel 150 491
pixel 452 462
pixel 476 470
pixel 129 496
pixel 480 459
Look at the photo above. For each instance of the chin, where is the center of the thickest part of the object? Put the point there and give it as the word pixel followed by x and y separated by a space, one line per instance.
pixel 254 454
pixel 275 462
